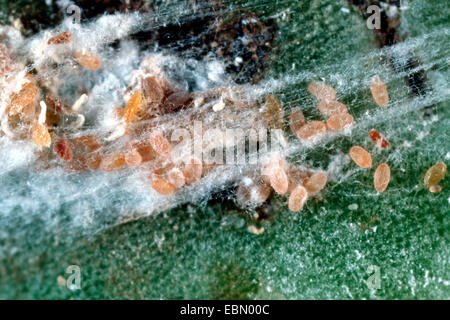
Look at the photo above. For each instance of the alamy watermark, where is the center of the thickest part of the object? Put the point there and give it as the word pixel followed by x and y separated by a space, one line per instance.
pixel 74 13
pixel 374 20
pixel 374 13
pixel 73 282
pixel 230 146
pixel 374 280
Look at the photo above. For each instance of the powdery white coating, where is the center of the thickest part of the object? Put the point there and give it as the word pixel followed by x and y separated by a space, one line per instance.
pixel 15 155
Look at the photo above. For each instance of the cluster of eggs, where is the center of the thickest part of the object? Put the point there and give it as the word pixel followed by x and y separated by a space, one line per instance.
pixel 299 184
pixel 148 149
